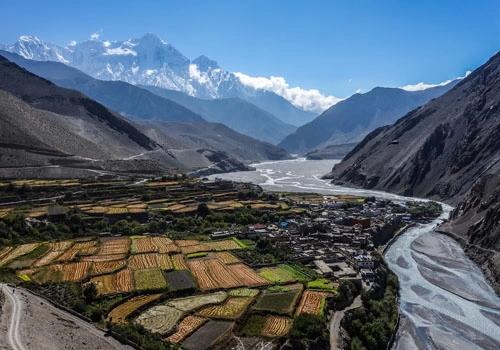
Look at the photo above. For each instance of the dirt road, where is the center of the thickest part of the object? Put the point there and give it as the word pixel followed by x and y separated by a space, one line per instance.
pixel 13 334
pixel 337 318
pixel 30 322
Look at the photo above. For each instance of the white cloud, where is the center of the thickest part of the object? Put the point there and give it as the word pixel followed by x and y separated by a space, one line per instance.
pixel 120 51
pixel 423 86
pixel 106 43
pixel 95 36
pixel 194 72
pixel 309 100
pixel 72 43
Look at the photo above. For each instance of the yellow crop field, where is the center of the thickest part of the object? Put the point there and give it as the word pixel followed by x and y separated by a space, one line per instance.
pixel 179 262
pixel 144 245
pixel 121 312
pixel 115 246
pixel 233 308
pixel 110 257
pixel 187 326
pixel 74 272
pixel 186 242
pixel 17 252
pixel 103 267
pixel 311 302
pixel 276 326
pixel 165 245
pixel 226 258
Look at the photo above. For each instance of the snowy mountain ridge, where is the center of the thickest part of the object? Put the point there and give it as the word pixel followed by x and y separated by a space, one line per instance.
pixel 149 60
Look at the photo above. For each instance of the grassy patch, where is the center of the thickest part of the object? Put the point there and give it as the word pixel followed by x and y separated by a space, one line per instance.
pixel 254 325
pixel 322 307
pixel 244 292
pixel 240 243
pixel 277 275
pixel 298 275
pixel 36 253
pixel 148 279
pixel 249 243
pixel 24 277
pixel 196 255
pixel 280 303
pixel 321 283
pixel 278 289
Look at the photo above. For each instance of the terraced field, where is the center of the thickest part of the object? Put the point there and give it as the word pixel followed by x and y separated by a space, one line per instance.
pixel 187 326
pixel 197 301
pixel 17 252
pixel 311 302
pixel 122 311
pixel 212 274
pixel 232 309
pixel 113 246
pixel 282 302
pixel 277 275
pixel 276 326
pixel 149 279
pixel 104 267
pixel 160 319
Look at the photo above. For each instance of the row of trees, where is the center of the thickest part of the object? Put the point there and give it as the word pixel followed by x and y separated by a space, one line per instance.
pixel 373 324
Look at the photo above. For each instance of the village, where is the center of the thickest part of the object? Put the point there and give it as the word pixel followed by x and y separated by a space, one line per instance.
pixel 338 242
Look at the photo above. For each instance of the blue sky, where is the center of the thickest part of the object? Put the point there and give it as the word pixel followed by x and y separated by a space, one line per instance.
pixel 336 47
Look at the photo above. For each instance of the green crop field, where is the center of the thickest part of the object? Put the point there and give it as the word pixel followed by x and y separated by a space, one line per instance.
pixel 277 275
pixel 297 274
pixel 148 279
pixel 279 302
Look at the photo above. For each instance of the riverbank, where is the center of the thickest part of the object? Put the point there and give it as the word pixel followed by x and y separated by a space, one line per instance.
pixel 488 260
pixel 383 249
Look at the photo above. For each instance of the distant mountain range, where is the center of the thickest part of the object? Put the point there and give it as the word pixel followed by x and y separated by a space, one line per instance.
pixel 137 103
pixel 51 131
pixel 352 119
pixel 214 136
pixel 448 149
pixel 236 113
pixel 153 62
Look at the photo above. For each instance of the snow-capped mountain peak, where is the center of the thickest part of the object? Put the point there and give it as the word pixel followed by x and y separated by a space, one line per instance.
pixel 204 63
pixel 149 60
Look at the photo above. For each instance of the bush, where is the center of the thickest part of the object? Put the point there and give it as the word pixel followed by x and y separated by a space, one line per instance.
pixel 96 314
pixel 307 326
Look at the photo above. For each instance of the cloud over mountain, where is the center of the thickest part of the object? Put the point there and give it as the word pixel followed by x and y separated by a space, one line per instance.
pixel 309 100
pixel 423 86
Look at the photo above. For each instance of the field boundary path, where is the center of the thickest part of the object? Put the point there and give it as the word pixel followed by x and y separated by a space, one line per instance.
pixel 337 318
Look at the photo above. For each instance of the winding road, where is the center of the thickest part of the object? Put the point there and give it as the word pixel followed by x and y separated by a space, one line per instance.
pixel 23 311
pixel 13 333
pixel 337 318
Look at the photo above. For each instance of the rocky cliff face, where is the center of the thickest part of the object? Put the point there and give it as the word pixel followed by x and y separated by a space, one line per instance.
pixel 448 149
pixel 475 221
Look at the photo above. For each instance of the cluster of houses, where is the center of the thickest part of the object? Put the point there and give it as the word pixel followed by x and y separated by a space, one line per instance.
pixel 334 239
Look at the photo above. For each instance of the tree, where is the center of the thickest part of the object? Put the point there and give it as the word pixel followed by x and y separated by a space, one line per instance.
pixel 307 326
pixel 96 314
pixel 90 292
pixel 203 210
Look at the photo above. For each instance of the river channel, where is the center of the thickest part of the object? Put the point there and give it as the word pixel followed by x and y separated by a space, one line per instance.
pixel 445 300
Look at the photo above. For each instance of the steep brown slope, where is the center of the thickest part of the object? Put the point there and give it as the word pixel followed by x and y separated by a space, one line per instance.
pixel 448 149
pixel 49 131
pixel 437 150
pixel 214 136
pixel 42 94
pixel 475 222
